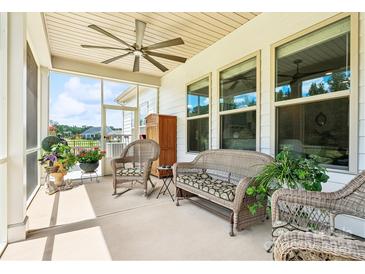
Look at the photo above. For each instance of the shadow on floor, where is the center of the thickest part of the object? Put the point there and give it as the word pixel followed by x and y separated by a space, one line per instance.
pixel 131 227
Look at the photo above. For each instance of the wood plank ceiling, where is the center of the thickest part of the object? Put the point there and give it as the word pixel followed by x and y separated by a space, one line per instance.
pixel 67 31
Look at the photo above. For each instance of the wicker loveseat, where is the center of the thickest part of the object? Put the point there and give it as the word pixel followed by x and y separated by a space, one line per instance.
pixel 222 177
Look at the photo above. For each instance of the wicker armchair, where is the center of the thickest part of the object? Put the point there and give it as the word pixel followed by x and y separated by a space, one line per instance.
pixel 306 211
pixel 134 164
pixel 307 246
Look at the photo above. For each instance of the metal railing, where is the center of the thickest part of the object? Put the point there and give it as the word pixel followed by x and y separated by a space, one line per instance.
pixel 78 145
pixel 112 146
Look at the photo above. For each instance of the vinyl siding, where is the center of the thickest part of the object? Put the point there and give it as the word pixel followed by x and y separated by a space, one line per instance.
pixel 258 34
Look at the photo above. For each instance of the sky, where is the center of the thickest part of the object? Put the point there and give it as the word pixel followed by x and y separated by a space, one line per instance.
pixel 76 100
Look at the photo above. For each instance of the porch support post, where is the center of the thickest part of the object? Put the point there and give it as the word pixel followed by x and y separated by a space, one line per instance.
pixel 17 219
pixel 44 103
pixel 44 110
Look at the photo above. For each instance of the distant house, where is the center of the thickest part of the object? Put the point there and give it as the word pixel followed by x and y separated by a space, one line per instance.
pixel 94 133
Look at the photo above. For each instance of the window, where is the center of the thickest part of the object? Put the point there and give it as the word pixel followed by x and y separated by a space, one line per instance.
pixel 312 94
pixel 239 130
pixel 238 99
pixel 317 63
pixel 320 128
pixel 31 124
pixel 198 94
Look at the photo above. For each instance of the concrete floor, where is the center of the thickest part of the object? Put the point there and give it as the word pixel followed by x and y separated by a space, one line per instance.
pixel 87 223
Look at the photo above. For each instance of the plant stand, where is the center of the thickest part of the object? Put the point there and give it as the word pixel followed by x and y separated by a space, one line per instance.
pixel 51 188
pixel 89 175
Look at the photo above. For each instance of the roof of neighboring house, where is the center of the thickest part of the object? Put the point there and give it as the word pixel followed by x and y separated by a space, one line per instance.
pixel 125 95
pixel 116 132
pixel 96 130
pixel 130 93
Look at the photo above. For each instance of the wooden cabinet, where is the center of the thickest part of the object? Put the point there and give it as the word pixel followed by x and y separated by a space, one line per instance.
pixel 162 129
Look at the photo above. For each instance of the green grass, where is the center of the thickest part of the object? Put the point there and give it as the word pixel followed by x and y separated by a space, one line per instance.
pixel 82 143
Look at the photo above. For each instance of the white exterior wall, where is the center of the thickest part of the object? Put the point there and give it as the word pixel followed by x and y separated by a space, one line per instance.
pixel 258 34
pixel 146 94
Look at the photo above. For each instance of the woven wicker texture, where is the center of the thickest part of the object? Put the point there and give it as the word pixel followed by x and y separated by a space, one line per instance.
pixel 307 246
pixel 138 155
pixel 299 210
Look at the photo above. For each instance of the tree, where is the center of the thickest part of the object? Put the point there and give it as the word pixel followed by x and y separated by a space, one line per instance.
pixel 316 89
pixel 339 81
pixel 281 95
pixel 68 131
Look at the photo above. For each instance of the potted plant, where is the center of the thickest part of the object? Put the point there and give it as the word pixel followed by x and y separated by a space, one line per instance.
pixel 57 161
pixel 89 159
pixel 287 171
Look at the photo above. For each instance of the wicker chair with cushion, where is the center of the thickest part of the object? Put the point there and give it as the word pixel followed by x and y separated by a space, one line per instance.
pixel 307 246
pixel 306 211
pixel 134 164
pixel 222 177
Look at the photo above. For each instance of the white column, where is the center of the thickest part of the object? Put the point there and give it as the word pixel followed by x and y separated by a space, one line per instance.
pixel 43 116
pixel 17 219
pixel 214 116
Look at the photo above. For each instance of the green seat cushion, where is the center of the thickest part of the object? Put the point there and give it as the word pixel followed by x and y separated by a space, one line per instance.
pixel 131 171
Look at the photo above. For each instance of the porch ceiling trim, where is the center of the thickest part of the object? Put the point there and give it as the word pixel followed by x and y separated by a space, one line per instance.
pixel 100 71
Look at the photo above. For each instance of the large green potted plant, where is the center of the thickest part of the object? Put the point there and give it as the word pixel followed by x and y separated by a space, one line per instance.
pixel 288 170
pixel 89 159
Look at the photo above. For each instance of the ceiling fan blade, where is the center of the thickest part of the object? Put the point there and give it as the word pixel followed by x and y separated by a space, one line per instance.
pixel 304 74
pixel 155 63
pixel 140 29
pixel 136 64
pixel 168 43
pixel 115 58
pixel 167 56
pixel 98 29
pixel 101 47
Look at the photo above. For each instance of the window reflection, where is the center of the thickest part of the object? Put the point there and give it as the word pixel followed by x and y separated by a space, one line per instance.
pixel 316 63
pixel 198 107
pixel 238 86
pixel 198 98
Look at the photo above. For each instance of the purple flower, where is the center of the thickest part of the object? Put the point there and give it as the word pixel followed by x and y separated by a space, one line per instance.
pixel 51 158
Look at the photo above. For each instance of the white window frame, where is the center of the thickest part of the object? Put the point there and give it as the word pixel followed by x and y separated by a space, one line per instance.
pixel 352 94
pixel 3 131
pixel 209 76
pixel 257 107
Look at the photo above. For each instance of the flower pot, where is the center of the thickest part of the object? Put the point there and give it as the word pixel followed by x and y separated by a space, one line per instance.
pixel 58 178
pixel 89 167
